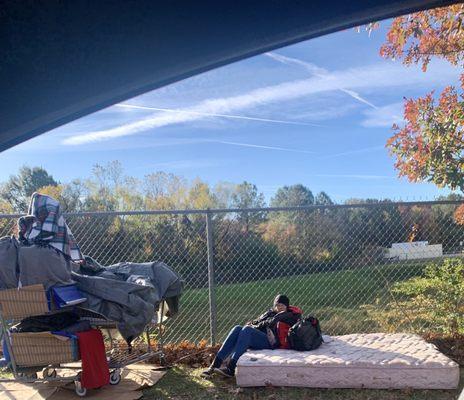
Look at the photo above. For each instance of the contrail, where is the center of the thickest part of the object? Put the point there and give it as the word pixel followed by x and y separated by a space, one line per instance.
pixel 350 152
pixel 371 76
pixel 356 96
pixel 173 110
pixel 263 147
pixel 319 72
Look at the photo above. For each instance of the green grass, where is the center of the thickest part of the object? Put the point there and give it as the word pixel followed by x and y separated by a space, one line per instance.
pixel 335 297
pixel 185 383
pixel 182 382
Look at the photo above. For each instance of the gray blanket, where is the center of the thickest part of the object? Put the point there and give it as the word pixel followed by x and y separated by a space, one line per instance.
pixel 127 293
pixel 8 262
pixel 46 265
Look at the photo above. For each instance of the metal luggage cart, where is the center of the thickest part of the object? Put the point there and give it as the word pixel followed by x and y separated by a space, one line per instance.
pixel 26 354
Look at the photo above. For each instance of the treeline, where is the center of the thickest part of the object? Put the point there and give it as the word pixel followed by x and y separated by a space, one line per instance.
pixel 247 245
pixel 109 189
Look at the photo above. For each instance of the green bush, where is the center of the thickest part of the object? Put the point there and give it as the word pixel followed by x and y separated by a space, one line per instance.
pixel 433 302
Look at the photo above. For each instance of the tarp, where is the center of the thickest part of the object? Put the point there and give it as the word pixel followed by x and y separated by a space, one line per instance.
pixel 114 293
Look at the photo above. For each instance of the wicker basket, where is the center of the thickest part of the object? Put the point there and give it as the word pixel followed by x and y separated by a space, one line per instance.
pixel 42 348
pixel 16 304
pixel 34 348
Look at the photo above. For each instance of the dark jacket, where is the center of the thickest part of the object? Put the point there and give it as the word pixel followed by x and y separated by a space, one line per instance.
pixel 270 318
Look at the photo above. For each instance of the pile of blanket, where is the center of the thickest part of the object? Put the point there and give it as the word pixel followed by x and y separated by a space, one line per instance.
pixel 47 253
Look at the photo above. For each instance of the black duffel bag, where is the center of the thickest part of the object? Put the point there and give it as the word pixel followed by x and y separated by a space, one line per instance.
pixel 305 335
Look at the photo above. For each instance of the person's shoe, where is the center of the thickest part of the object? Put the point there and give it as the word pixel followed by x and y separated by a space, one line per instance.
pixel 229 371
pixel 226 371
pixel 208 373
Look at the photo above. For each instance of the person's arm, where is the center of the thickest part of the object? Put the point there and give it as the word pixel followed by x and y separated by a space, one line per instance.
pixel 284 316
pixel 254 323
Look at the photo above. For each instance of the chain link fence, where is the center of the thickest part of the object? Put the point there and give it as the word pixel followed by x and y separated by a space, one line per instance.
pixel 333 261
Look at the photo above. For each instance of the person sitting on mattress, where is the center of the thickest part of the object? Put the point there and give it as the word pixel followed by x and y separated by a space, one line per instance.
pixel 268 331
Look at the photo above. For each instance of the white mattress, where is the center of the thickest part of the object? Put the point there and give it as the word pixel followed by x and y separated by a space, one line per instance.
pixel 376 360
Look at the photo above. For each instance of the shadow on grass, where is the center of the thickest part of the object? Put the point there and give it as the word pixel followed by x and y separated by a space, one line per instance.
pixel 186 383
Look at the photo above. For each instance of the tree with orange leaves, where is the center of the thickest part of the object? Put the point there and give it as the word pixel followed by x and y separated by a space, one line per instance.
pixel 430 146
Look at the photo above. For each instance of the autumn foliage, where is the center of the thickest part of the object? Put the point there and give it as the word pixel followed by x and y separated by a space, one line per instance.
pixel 459 215
pixel 429 147
pixel 418 37
pixel 193 354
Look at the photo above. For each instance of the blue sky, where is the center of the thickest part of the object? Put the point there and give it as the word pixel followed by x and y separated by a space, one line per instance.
pixel 317 113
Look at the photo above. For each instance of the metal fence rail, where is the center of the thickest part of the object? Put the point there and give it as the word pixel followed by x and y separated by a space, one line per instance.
pixel 333 261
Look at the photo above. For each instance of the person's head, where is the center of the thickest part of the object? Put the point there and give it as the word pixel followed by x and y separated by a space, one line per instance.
pixel 281 303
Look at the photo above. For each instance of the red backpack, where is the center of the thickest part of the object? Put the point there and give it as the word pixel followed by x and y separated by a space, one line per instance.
pixel 283 328
pixel 282 334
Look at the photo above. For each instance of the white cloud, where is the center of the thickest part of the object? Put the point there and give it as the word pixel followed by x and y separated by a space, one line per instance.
pixel 384 116
pixel 326 110
pixel 379 75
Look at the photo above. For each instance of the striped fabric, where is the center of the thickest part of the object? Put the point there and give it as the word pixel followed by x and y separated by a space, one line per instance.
pixel 44 224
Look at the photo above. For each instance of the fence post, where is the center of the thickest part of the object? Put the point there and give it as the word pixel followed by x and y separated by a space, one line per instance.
pixel 211 279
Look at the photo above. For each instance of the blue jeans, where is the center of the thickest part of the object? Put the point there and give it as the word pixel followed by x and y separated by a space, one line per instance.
pixel 240 339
